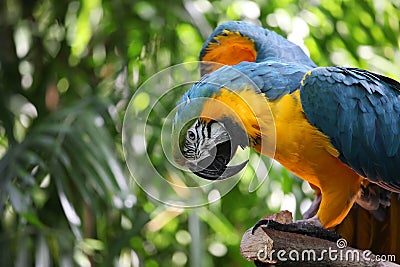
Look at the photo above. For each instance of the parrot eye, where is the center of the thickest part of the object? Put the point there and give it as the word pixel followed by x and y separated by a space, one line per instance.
pixel 191 135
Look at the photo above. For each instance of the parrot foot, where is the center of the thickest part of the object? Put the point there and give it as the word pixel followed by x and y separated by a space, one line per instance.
pixel 310 227
pixel 374 199
pixel 313 221
pixel 260 223
pixel 372 196
pixel 312 211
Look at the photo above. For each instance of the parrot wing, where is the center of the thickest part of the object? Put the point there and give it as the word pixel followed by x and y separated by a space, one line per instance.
pixel 360 112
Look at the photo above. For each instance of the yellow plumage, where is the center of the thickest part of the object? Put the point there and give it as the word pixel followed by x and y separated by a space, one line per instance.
pixel 279 129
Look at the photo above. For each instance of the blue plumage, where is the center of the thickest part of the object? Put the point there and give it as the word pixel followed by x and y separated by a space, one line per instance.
pixel 274 79
pixel 360 113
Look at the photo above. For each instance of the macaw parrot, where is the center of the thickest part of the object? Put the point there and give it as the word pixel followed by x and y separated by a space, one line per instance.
pixel 337 128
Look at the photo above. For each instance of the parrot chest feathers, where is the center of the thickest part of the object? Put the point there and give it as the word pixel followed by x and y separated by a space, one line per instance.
pixel 309 154
pixel 300 147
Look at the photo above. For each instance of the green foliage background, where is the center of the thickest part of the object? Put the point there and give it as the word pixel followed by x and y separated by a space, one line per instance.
pixel 67 72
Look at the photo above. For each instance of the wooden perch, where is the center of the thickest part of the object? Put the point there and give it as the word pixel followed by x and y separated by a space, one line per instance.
pixel 284 244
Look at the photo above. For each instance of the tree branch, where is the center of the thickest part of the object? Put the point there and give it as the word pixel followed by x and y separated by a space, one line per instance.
pixel 285 244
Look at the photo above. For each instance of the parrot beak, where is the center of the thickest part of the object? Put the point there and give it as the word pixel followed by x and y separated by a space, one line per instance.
pixel 210 173
pixel 215 166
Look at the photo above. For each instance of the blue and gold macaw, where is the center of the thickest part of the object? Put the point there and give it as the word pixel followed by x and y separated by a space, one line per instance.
pixel 337 128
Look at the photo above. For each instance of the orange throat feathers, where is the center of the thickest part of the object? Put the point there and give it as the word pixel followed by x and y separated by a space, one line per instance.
pixel 230 49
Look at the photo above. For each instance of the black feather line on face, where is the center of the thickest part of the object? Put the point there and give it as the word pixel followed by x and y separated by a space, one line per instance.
pixel 216 168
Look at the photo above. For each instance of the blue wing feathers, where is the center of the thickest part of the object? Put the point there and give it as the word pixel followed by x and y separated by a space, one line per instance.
pixel 360 113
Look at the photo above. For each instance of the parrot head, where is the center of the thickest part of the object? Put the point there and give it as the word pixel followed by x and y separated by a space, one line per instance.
pixel 207 148
pixel 224 110
pixel 204 143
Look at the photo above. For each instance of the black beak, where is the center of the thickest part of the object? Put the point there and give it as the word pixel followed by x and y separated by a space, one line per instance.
pixel 218 169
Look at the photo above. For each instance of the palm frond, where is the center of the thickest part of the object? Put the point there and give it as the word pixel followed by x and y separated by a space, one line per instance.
pixel 72 149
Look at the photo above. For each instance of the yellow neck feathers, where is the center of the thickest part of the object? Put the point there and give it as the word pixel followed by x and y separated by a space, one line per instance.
pixel 249 110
